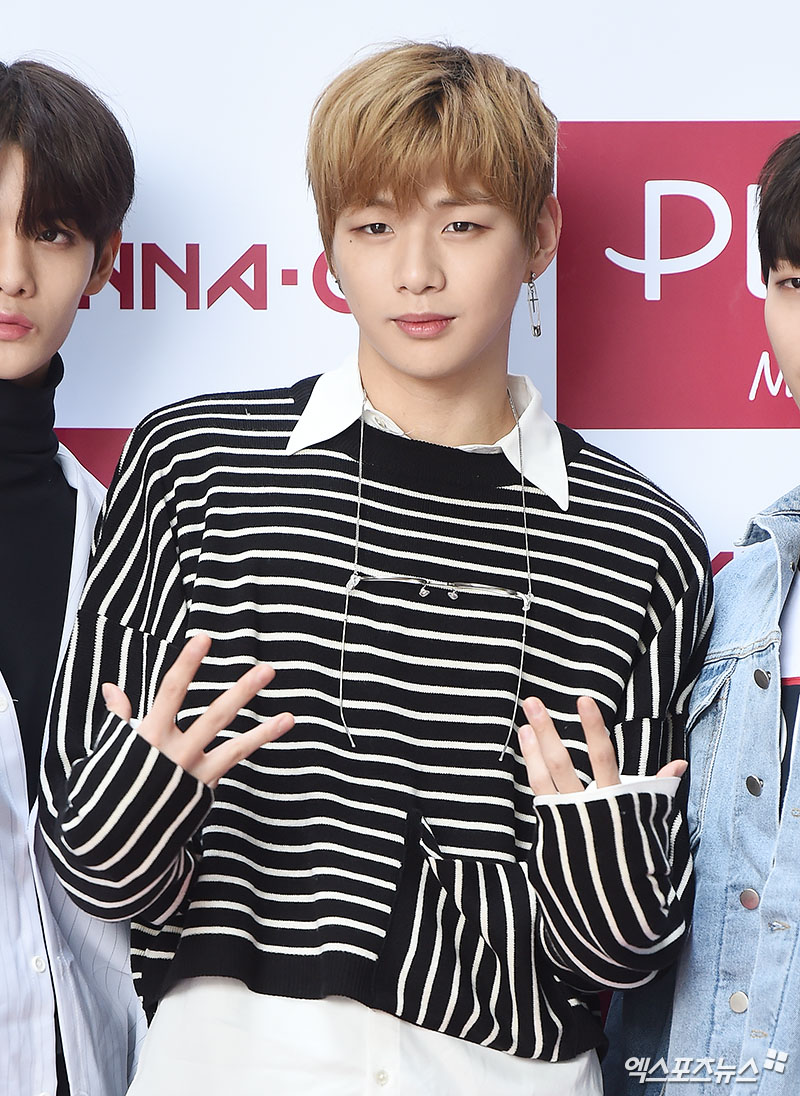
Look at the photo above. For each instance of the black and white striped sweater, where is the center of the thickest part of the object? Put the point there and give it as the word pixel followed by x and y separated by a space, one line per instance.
pixel 410 870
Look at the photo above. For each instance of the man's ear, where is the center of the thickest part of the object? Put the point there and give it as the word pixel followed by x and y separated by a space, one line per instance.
pixel 104 265
pixel 548 233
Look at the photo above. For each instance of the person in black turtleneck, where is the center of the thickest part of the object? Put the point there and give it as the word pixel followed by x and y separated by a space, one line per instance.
pixel 69 1018
pixel 37 518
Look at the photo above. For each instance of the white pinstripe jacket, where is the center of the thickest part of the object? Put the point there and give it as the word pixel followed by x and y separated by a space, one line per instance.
pixel 53 955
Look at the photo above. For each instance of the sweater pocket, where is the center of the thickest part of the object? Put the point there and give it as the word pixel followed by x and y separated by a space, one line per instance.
pixel 460 954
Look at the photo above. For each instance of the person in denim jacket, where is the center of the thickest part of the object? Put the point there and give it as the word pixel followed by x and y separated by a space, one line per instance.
pixel 735 995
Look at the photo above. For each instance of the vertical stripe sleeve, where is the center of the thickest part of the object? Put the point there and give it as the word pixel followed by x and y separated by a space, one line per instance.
pixel 614 874
pixel 117 815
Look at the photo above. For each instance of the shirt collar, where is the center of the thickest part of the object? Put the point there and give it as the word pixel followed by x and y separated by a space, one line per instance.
pixel 337 401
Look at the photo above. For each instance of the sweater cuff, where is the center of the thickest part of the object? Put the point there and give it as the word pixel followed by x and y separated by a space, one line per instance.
pixel 665 785
pixel 131 804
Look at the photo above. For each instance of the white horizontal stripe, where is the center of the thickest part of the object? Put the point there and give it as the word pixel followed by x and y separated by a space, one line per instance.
pixel 277 949
pixel 286 923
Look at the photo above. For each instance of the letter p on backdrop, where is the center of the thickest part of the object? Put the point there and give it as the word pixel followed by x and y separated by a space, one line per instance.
pixel 654 263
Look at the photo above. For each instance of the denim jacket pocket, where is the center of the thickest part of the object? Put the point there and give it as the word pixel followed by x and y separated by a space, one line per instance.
pixel 707 712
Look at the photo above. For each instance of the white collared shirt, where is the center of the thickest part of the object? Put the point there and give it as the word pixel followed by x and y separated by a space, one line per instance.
pixel 213 1035
pixel 338 400
pixel 52 954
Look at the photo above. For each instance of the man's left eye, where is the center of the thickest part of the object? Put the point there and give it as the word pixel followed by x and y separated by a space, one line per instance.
pixel 461 226
pixel 53 235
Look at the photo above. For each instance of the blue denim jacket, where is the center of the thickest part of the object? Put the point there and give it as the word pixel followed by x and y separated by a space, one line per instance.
pixel 737 984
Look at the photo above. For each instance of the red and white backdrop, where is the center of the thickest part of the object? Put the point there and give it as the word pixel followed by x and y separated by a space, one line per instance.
pixel 654 344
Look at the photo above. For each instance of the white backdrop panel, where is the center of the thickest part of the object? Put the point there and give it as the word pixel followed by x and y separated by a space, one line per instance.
pixel 215 98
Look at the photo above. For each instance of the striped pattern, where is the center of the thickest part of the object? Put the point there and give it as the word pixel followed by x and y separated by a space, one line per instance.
pixel 410 870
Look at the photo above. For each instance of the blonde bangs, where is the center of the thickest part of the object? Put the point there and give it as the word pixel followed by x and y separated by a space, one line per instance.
pixel 412 114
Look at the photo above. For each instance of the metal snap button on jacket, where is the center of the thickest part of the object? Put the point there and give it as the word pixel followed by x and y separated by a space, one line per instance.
pixel 738 1001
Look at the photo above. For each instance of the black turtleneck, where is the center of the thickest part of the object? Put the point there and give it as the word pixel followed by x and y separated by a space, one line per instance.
pixel 37 521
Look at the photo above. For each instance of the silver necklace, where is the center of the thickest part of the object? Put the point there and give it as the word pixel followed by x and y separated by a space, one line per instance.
pixel 425 585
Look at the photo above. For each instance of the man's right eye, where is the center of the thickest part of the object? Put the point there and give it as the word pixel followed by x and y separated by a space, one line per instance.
pixel 377 228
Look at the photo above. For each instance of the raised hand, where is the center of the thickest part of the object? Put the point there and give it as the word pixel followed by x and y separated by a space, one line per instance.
pixel 549 765
pixel 188 748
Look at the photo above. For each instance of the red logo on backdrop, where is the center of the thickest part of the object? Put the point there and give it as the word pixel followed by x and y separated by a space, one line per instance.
pixel 247 277
pixel 660 300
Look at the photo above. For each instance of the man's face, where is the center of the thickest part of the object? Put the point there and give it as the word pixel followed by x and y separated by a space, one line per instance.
pixel 41 281
pixel 433 289
pixel 782 318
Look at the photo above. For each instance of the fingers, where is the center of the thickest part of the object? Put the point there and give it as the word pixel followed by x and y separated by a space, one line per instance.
pixel 225 707
pixel 601 751
pixel 547 753
pixel 673 768
pixel 219 761
pixel 188 748
pixel 539 777
pixel 176 681
pixel 547 760
pixel 116 701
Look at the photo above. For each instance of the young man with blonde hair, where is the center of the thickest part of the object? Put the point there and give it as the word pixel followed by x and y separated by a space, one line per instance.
pixel 411 889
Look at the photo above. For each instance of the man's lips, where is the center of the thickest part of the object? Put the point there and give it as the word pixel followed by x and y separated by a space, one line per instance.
pixel 423 325
pixel 13 325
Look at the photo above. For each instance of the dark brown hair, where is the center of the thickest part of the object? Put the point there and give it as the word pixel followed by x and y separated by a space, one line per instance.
pixel 78 163
pixel 779 207
pixel 425 109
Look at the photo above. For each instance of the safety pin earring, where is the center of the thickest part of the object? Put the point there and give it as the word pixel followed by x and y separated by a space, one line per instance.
pixel 533 307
